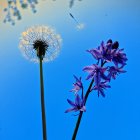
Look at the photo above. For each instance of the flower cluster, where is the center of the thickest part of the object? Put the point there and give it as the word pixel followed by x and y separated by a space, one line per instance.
pixel 12 11
pixel 110 62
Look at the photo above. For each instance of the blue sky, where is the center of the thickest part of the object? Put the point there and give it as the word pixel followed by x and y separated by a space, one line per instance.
pixel 116 117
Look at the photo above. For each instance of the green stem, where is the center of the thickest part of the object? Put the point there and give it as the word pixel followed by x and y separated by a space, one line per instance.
pixel 81 112
pixel 42 102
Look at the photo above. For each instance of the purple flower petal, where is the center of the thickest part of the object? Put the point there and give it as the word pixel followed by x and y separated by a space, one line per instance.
pixel 119 57
pixel 70 109
pixel 77 100
pixel 102 93
pixel 100 88
pixel 83 109
pixel 89 68
pixel 90 76
pixel 96 72
pixel 114 71
pixel 71 103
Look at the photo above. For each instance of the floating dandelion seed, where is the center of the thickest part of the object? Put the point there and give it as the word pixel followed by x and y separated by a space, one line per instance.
pixel 79 26
pixel 40 43
pixel 40 39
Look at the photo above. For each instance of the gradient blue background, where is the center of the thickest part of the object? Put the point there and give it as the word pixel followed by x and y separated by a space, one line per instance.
pixel 116 117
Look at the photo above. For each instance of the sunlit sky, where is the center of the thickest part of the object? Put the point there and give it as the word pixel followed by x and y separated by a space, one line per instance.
pixel 115 117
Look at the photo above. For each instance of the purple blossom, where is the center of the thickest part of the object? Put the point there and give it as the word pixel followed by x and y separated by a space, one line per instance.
pixel 96 53
pixel 78 105
pixel 104 52
pixel 100 88
pixel 96 72
pixel 77 85
pixel 114 71
pixel 100 74
pixel 107 52
pixel 119 57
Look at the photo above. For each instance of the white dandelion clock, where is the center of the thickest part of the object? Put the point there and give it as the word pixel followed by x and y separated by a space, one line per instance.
pixel 40 41
pixel 40 44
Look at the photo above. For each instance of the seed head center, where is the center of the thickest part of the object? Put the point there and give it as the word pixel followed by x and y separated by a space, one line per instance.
pixel 41 47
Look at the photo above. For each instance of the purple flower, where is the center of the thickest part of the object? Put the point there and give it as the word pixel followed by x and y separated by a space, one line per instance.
pixel 77 85
pixel 100 88
pixel 96 72
pixel 96 53
pixel 78 105
pixel 104 52
pixel 119 57
pixel 114 71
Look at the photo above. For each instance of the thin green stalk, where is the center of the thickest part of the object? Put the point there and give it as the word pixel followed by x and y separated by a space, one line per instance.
pixel 81 112
pixel 42 102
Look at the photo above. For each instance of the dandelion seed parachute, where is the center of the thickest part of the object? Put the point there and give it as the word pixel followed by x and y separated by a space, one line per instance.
pixel 44 34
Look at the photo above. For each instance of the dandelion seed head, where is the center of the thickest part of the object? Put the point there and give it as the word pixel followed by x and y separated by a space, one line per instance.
pixel 40 41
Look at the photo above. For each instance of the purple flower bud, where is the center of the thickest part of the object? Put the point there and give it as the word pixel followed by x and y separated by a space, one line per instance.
pixel 115 45
pixel 77 85
pixel 109 41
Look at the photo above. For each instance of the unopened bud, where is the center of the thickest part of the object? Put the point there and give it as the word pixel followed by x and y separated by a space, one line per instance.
pixel 115 45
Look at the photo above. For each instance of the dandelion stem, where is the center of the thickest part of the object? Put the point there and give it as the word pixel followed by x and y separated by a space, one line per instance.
pixel 81 112
pixel 42 102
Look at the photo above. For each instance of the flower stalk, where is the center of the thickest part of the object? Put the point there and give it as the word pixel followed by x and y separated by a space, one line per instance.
pixel 81 112
pixel 42 102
